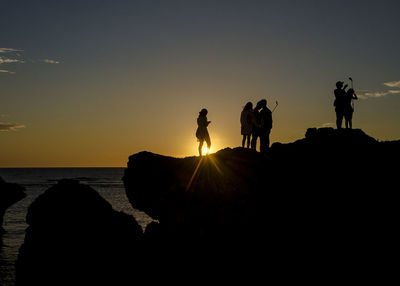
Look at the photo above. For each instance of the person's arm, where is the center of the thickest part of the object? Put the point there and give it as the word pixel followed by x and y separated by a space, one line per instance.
pixel 202 122
pixel 242 119
pixel 253 119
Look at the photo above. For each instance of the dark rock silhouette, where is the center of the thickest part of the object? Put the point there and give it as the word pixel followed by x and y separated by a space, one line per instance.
pixel 301 210
pixel 171 191
pixel 9 194
pixel 75 237
pixel 321 198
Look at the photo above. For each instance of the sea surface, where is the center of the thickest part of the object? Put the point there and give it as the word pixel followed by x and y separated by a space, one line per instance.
pixel 106 181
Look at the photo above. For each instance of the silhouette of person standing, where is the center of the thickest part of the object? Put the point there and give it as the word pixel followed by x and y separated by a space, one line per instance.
pixel 256 125
pixel 348 108
pixel 339 103
pixel 202 132
pixel 247 121
pixel 265 125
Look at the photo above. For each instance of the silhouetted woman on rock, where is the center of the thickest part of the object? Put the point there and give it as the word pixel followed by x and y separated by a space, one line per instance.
pixel 348 108
pixel 247 120
pixel 202 132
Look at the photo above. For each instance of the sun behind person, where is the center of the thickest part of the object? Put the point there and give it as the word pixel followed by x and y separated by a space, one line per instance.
pixel 205 150
pixel 202 132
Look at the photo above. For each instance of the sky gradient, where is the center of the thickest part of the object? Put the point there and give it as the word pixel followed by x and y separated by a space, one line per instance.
pixel 88 83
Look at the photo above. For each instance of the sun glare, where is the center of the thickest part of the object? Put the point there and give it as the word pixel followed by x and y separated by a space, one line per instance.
pixel 205 150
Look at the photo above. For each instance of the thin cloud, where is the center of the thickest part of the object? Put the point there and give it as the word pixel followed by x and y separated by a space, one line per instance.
pixel 10 61
pixel 7 71
pixel 12 56
pixel 377 94
pixel 49 61
pixel 327 124
pixel 9 50
pixel 10 126
pixel 6 60
pixel 392 83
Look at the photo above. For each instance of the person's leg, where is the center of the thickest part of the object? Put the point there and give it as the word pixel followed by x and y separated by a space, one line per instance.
pixel 339 119
pixel 208 141
pixel 200 147
pixel 248 140
pixel 351 120
pixel 264 142
pixel 243 140
pixel 267 140
pixel 254 141
pixel 346 119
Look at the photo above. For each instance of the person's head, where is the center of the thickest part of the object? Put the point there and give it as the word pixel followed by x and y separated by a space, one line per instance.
pixel 350 91
pixel 339 84
pixel 258 106
pixel 261 104
pixel 203 112
pixel 248 106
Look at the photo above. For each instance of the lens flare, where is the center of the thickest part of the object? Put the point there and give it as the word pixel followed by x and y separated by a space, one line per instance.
pixel 205 150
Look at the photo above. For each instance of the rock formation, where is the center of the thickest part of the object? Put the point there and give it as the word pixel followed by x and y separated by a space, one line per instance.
pixel 75 237
pixel 9 195
pixel 331 192
pixel 304 208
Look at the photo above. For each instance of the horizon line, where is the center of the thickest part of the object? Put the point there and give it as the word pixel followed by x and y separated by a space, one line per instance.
pixel 63 167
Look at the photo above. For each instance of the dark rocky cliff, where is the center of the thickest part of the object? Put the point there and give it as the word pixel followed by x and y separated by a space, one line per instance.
pixel 332 192
pixel 322 207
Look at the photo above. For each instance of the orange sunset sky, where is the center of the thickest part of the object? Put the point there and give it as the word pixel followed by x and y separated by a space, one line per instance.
pixel 88 83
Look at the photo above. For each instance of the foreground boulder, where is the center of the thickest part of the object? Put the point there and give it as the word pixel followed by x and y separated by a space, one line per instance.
pixel 9 195
pixel 333 191
pixel 74 236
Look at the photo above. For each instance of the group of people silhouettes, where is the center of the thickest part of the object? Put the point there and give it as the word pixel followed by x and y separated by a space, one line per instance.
pixel 343 105
pixel 257 122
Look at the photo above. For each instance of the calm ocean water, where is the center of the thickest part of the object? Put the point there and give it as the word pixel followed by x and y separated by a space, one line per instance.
pixel 106 181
